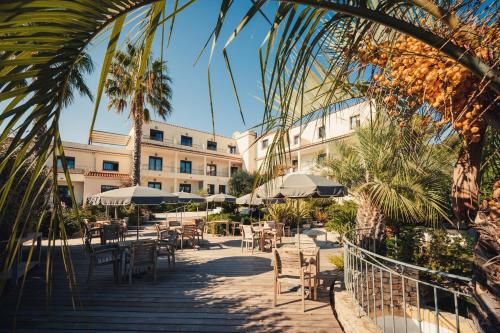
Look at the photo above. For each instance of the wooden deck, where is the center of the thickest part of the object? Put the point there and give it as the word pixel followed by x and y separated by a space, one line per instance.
pixel 215 289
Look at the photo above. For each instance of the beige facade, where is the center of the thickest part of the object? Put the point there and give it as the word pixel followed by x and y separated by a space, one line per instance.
pixel 312 141
pixel 176 158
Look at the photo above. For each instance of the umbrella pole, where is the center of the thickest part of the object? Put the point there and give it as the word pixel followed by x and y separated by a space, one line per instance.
pixel 298 222
pixel 207 211
pixel 138 213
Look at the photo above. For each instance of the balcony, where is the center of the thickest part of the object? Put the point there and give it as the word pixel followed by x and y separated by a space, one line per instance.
pixel 174 143
pixel 176 170
pixel 73 170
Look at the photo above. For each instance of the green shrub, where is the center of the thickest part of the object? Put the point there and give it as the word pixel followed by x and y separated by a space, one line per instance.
pixel 342 218
pixel 442 252
pixel 337 261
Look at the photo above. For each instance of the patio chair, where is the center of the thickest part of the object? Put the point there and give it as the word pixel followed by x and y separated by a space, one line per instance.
pixel 189 232
pixel 101 255
pixel 248 236
pixel 289 266
pixel 236 225
pixel 90 231
pixel 200 229
pixel 167 242
pixel 111 233
pixel 160 227
pixel 276 235
pixel 143 254
pixel 270 224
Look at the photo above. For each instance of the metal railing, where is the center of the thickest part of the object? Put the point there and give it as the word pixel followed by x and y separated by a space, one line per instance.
pixel 177 170
pixel 170 141
pixel 401 297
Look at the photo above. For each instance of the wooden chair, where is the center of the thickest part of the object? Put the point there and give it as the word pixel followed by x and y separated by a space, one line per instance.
pixel 200 229
pixel 311 254
pixel 90 231
pixel 111 233
pixel 236 225
pixel 276 235
pixel 248 236
pixel 160 227
pixel 143 254
pixel 101 255
pixel 167 242
pixel 270 224
pixel 189 232
pixel 289 266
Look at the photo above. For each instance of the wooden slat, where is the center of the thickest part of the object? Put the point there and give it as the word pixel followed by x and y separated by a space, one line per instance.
pixel 219 289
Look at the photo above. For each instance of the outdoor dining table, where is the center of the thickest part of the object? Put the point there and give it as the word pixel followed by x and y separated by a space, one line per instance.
pixel 262 230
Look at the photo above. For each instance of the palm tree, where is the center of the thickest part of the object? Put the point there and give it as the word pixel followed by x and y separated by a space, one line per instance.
pixel 43 49
pixel 396 174
pixel 152 95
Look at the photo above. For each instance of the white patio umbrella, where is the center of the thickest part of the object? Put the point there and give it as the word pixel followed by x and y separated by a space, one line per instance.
pixel 302 186
pixel 250 199
pixel 221 197
pixel 186 197
pixel 138 195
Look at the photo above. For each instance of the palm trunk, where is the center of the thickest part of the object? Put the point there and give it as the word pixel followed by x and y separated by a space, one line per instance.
pixel 370 225
pixel 465 204
pixel 138 121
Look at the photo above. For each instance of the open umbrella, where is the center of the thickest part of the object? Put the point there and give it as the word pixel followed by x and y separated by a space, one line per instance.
pixel 138 195
pixel 186 197
pixel 221 197
pixel 189 197
pixel 250 199
pixel 301 186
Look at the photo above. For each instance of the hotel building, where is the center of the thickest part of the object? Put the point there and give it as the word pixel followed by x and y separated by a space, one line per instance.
pixel 175 158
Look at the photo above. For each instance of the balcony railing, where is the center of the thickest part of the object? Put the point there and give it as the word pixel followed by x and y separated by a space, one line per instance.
pixel 171 142
pixel 177 170
pixel 73 170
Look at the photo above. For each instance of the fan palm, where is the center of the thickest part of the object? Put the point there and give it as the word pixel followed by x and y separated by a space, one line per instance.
pixel 398 175
pixel 152 95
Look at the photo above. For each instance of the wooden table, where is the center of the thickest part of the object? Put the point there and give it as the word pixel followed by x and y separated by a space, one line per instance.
pixel 262 236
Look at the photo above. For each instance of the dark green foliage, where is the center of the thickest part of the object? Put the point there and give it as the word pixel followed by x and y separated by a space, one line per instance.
pixel 15 196
pixel 432 248
pixel 342 217
pixel 241 183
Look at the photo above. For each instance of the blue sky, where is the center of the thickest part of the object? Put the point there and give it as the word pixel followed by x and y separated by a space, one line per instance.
pixel 190 88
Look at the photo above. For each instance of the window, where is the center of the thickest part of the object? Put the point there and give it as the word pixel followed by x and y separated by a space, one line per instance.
pixel 211 145
pixel 156 135
pixel 234 169
pixel 355 121
pixel 265 143
pixel 186 167
pixel 156 185
pixel 70 162
pixel 321 158
pixel 105 188
pixel 321 132
pixel 109 166
pixel 295 165
pixel 211 170
pixel 295 139
pixel 211 189
pixel 186 140
pixel 185 188
pixel 222 189
pixel 64 195
pixel 232 149
pixel 155 163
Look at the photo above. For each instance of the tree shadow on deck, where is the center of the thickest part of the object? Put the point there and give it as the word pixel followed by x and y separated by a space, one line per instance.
pixel 207 292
